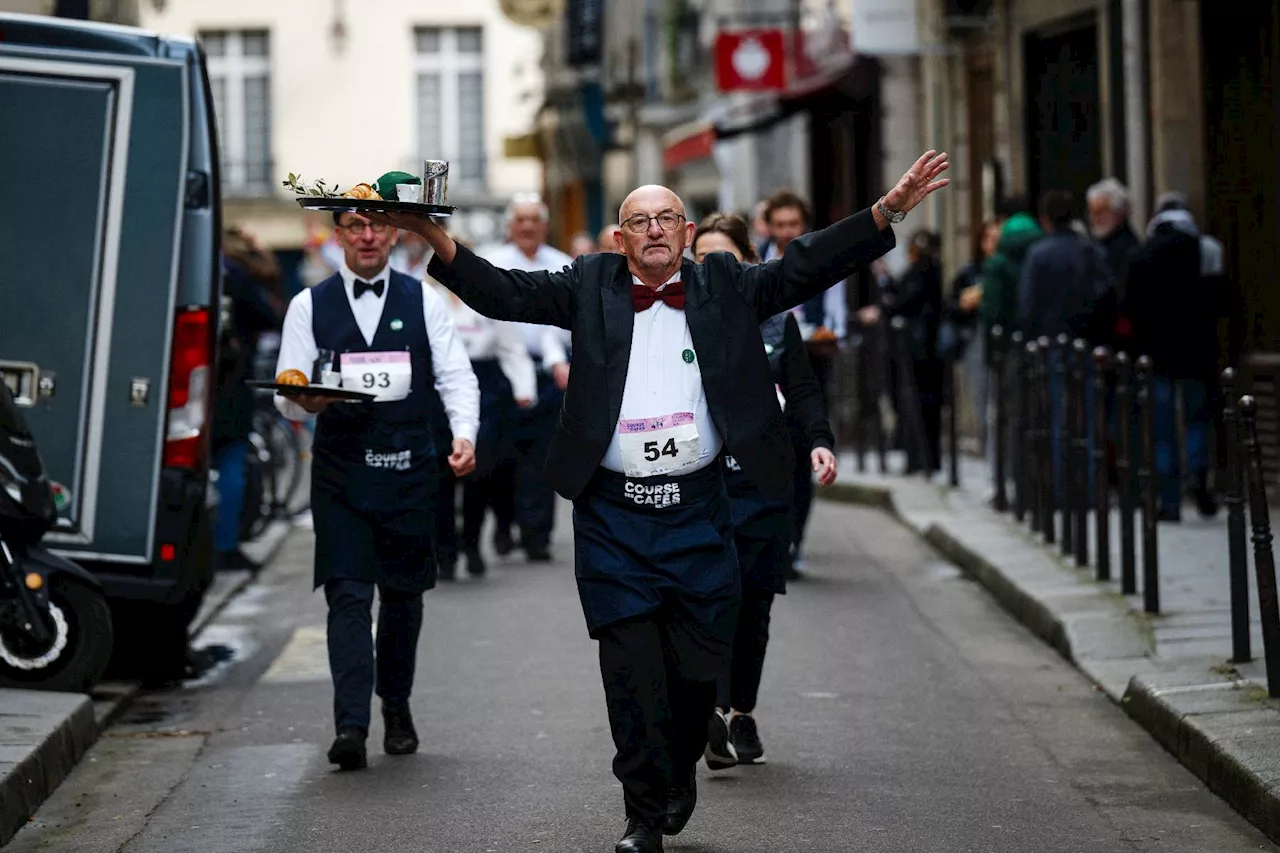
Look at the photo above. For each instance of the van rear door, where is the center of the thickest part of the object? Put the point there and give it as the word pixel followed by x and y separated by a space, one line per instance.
pixel 93 161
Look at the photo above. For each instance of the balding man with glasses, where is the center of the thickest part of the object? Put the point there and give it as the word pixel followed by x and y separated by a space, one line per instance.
pixel 669 372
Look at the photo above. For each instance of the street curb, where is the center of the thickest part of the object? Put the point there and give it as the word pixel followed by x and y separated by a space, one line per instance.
pixel 1233 750
pixel 31 780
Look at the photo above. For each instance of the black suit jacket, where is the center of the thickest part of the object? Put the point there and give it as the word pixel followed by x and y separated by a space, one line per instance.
pixel 805 401
pixel 725 302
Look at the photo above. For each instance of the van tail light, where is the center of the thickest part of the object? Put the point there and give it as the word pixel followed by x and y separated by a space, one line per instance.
pixel 189 390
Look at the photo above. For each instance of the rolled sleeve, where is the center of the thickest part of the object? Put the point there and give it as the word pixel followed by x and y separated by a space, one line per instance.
pixel 454 378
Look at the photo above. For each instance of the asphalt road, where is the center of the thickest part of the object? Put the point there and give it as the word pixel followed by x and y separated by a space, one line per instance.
pixel 901 710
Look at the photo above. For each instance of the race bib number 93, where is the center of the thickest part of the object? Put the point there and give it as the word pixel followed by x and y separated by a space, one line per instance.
pixel 389 375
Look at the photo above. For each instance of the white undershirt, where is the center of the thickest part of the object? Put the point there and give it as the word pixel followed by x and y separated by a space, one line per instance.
pixel 454 378
pixel 660 382
pixel 548 343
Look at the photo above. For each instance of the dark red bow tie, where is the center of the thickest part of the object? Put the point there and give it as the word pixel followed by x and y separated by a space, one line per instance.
pixel 643 297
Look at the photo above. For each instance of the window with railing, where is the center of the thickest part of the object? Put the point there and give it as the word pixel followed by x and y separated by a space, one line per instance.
pixel 240 77
pixel 449 64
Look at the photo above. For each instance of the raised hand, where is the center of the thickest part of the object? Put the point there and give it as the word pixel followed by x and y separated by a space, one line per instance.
pixel 919 182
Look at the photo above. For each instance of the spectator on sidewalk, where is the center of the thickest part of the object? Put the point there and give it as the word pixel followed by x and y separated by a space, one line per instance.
pixel 605 241
pixel 248 270
pixel 966 342
pixel 1002 271
pixel 917 298
pixel 1065 288
pixel 1108 202
pixel 1176 296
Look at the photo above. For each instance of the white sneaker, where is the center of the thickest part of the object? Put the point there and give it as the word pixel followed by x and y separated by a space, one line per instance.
pixel 719 754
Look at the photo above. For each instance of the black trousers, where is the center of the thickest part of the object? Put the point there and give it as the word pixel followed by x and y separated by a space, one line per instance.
pixel 446 511
pixel 738 688
pixel 480 492
pixel 801 484
pixel 659 675
pixel 355 669
pixel 534 506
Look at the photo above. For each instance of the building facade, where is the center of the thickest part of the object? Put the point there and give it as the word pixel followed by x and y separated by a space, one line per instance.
pixel 332 90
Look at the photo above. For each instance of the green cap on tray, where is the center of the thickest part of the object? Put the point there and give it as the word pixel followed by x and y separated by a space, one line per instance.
pixel 386 185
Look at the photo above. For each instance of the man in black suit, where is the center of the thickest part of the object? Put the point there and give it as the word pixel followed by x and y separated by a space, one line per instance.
pixel 669 371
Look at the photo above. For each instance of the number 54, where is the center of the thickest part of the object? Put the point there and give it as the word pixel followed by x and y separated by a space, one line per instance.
pixel 651 451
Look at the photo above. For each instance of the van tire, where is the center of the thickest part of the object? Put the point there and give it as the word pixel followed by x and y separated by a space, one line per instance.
pixel 90 641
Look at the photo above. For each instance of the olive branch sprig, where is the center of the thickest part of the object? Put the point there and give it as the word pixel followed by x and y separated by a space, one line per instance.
pixel 319 190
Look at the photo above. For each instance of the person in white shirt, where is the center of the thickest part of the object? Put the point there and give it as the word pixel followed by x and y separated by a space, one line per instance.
pixel 508 385
pixel 374 470
pixel 528 222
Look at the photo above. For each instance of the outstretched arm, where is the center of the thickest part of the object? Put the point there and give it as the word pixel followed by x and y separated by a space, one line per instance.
pixel 818 260
pixel 512 295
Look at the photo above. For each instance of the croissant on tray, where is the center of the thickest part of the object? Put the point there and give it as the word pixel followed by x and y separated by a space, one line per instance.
pixel 362 191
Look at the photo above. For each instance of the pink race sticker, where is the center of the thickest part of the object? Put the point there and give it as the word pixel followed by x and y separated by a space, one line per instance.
pixel 351 359
pixel 652 424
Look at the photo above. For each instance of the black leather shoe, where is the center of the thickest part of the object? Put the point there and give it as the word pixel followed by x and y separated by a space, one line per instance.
pixel 400 738
pixel 503 544
pixel 475 563
pixel 641 837
pixel 680 804
pixel 348 750
pixel 538 553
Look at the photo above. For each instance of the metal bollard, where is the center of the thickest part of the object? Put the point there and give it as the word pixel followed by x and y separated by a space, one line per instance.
pixel 953 427
pixel 1080 474
pixel 999 352
pixel 1048 497
pixel 1239 557
pixel 1101 494
pixel 1030 437
pixel 1018 446
pixel 1124 473
pixel 1147 484
pixel 1264 561
pixel 1064 449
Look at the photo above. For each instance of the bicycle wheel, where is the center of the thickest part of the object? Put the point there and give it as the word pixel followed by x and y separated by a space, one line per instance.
pixel 259 489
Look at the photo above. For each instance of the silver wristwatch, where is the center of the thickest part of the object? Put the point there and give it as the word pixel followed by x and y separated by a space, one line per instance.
pixel 894 216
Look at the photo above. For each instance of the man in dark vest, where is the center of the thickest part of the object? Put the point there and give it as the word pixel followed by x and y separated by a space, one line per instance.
pixel 669 371
pixel 374 469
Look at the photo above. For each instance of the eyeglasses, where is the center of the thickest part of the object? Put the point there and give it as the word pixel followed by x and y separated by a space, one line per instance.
pixel 355 229
pixel 639 223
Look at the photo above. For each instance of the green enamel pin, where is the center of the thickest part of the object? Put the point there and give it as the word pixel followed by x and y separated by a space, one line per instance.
pixel 687 355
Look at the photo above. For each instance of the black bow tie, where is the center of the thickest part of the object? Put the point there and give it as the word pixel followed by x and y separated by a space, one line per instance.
pixel 361 287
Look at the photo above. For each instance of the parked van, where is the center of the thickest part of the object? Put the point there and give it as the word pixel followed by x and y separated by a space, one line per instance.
pixel 109 295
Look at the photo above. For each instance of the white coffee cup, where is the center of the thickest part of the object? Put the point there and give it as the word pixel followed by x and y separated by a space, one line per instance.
pixel 409 192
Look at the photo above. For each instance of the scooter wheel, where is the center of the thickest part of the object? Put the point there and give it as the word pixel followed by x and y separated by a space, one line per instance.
pixel 83 621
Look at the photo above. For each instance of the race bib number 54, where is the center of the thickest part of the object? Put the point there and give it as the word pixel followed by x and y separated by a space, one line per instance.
pixel 389 375
pixel 652 447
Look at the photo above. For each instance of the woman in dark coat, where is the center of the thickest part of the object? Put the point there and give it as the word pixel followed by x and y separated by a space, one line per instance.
pixel 762 525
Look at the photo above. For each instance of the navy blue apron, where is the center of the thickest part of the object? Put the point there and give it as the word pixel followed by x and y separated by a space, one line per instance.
pixel 762 524
pixel 497 414
pixel 645 544
pixel 374 471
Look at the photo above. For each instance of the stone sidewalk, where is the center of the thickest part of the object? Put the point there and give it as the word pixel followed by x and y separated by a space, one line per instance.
pixel 1171 671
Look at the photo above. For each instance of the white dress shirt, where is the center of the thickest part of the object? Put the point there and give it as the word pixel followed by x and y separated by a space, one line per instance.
pixel 660 382
pixel 548 343
pixel 454 378
pixel 492 339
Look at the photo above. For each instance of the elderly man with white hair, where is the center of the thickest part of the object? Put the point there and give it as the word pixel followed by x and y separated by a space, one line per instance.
pixel 533 511
pixel 1108 202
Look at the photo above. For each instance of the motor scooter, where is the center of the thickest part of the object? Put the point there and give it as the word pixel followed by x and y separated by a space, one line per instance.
pixel 55 623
